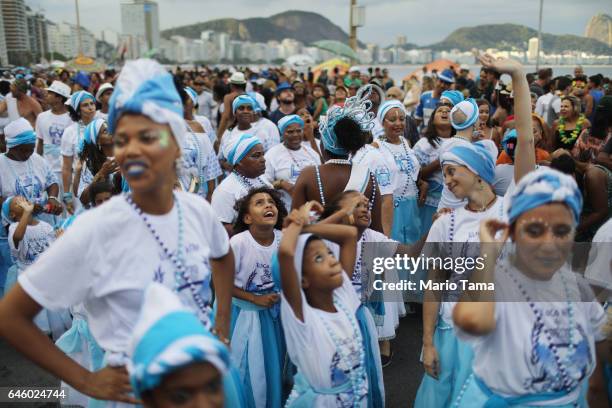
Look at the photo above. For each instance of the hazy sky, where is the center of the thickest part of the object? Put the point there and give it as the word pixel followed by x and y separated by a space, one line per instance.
pixel 421 21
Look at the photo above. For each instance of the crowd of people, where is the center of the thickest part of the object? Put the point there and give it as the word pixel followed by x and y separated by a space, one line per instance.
pixel 203 236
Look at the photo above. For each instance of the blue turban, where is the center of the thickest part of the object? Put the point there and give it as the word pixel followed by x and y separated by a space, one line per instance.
pixel 167 337
pixel 193 95
pixel 285 121
pixel 387 106
pixel 469 109
pixel 82 79
pixel 90 136
pixel 511 134
pixel 77 98
pixel 239 148
pixel 144 87
pixel 475 157
pixel 19 132
pixel 242 100
pixel 544 186
pixel 453 96
pixel 6 210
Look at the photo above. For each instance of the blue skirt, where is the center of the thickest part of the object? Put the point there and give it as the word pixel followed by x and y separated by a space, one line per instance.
pixel 258 352
pixel 5 263
pixel 455 358
pixel 475 394
pixel 376 392
pixel 406 222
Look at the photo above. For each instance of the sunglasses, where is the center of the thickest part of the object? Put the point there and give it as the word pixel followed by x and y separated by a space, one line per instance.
pixel 538 229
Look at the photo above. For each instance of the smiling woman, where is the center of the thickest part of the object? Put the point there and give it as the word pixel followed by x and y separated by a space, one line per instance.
pixel 146 120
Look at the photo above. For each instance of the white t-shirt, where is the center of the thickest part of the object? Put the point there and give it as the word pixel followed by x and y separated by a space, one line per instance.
pixel 30 178
pixel 448 199
pixel 268 128
pixel 460 231
pixel 370 156
pixel 599 268
pixel 101 115
pixel 232 189
pixel 283 163
pixel 231 135
pixel 427 154
pixel 404 168
pixel 208 128
pixel 253 262
pixel 200 160
pixel 118 257
pixel 516 357
pixel 504 174
pixel 50 128
pixel 36 240
pixel 313 351
pixel 70 138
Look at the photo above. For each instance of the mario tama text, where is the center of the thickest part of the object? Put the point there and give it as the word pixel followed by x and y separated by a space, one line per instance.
pixel 426 284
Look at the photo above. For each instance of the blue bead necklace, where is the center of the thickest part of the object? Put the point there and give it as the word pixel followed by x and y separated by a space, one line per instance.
pixel 181 275
pixel 357 375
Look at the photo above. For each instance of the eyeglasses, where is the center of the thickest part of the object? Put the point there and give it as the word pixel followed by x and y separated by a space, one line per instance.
pixel 537 229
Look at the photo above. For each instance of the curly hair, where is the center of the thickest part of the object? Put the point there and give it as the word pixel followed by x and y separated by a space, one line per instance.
pixel 242 208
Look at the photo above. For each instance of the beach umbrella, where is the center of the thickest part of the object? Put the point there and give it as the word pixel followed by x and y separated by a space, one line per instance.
pixel 329 65
pixel 336 47
pixel 83 63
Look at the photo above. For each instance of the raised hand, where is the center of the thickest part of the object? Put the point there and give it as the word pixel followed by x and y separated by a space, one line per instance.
pixel 501 65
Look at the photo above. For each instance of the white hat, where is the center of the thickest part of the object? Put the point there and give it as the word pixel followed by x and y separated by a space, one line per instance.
pixel 464 67
pixel 354 69
pixel 238 78
pixel 60 88
pixel 103 88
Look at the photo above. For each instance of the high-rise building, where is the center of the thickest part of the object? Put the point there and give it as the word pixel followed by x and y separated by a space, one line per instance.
pixel 140 24
pixel 16 31
pixel 37 34
pixel 3 53
pixel 533 49
pixel 63 39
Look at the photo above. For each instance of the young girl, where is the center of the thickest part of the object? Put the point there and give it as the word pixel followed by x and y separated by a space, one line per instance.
pixel 318 309
pixel 28 238
pixel 257 345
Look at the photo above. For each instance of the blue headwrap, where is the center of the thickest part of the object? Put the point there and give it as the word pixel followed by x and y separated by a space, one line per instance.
pixel 356 108
pixel 77 98
pixel 168 337
pixel 240 147
pixel 469 109
pixel 387 106
pixel 242 100
pixel 544 186
pixel 145 87
pixel 192 94
pixel 90 136
pixel 473 156
pixel 6 210
pixel 19 132
pixel 511 134
pixel 453 96
pixel 285 121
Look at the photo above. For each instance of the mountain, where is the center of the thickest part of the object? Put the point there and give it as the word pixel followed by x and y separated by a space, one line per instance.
pixel 508 36
pixel 303 26
pixel 600 28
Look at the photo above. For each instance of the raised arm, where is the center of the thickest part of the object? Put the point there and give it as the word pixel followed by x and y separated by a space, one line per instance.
pixel 291 286
pixel 525 160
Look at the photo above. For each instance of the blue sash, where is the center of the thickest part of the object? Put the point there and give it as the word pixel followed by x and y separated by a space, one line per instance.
pixel 497 401
pixel 307 394
pixel 375 397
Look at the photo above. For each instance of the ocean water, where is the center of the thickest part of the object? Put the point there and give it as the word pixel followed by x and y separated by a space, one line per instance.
pixel 398 72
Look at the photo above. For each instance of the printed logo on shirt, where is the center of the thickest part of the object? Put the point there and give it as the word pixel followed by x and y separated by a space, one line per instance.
pixel 383 176
pixel 260 279
pixel 341 371
pixel 55 133
pixel 29 186
pixel 404 163
pixel 36 246
pixel 295 172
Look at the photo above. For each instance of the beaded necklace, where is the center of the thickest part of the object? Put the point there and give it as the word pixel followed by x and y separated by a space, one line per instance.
pixel 346 162
pixel 181 275
pixel 245 182
pixel 408 171
pixel 568 382
pixel 356 376
pixel 295 162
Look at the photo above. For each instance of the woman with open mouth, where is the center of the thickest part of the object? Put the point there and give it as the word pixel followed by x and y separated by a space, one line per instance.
pixel 538 321
pixel 285 162
pixel 152 234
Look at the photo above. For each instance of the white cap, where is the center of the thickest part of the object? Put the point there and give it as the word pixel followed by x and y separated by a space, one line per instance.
pixel 238 78
pixel 354 69
pixel 464 67
pixel 103 88
pixel 60 88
